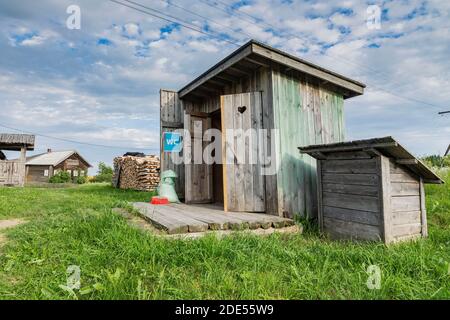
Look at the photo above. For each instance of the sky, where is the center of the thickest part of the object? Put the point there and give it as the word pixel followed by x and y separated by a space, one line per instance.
pixel 99 85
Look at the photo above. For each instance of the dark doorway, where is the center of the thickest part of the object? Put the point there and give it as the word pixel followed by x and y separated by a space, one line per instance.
pixel 216 123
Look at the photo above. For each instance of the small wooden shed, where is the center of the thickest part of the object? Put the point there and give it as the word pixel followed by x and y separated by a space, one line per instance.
pixel 371 190
pixel 12 172
pixel 257 87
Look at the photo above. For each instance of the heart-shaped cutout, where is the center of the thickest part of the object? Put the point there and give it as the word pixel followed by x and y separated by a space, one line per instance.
pixel 242 109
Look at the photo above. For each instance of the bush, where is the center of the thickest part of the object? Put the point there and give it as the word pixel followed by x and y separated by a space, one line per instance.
pixel 104 173
pixel 60 177
pixel 437 161
pixel 81 180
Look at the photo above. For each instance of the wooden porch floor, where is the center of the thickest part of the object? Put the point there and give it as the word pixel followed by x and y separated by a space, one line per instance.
pixel 178 218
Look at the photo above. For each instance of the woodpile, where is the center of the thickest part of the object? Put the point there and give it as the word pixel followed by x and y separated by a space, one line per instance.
pixel 137 173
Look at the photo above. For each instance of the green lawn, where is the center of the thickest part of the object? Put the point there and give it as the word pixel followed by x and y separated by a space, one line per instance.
pixel 75 226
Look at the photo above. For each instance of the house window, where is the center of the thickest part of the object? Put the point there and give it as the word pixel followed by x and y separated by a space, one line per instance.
pixel 82 173
pixel 69 172
pixel 75 173
pixel 45 173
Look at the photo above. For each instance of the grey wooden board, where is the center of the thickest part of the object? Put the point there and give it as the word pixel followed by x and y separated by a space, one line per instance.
pixel 348 201
pixel 350 189
pixel 365 217
pixel 354 179
pixel 244 182
pixel 350 230
pixel 407 203
pixel 407 217
pixel 406 229
pixel 182 218
pixel 350 166
pixel 405 189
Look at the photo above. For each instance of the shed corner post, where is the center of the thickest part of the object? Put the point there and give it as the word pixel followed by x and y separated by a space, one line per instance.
pixel 423 210
pixel 319 196
pixel 22 162
pixel 384 195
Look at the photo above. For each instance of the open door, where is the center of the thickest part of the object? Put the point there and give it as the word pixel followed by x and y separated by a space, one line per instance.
pixel 242 150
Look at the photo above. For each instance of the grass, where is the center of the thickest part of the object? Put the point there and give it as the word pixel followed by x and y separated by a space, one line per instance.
pixel 75 226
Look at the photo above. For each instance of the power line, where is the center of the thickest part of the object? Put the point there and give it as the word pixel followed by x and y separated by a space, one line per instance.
pixel 180 21
pixel 326 54
pixel 171 3
pixel 236 44
pixel 73 141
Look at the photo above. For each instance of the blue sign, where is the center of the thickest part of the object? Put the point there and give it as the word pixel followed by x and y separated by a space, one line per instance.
pixel 172 142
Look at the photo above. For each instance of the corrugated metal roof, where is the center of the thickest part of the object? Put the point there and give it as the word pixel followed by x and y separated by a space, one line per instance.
pixel 387 146
pixel 51 158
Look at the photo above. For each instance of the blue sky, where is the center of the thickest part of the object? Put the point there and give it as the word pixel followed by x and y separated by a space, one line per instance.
pixel 100 84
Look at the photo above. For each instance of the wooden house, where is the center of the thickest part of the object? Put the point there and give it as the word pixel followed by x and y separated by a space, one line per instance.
pixel 12 172
pixel 371 190
pixel 40 168
pixel 257 87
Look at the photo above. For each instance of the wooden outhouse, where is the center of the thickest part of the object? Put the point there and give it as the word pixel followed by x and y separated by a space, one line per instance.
pixel 371 190
pixel 288 101
pixel 12 172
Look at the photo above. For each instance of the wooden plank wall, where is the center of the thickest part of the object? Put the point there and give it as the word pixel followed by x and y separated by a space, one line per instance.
pixel 405 203
pixel 171 119
pixel 305 114
pixel 350 196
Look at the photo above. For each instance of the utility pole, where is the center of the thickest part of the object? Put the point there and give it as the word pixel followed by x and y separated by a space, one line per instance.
pixel 448 149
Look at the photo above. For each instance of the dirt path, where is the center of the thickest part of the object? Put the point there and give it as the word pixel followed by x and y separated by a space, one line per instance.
pixel 5 224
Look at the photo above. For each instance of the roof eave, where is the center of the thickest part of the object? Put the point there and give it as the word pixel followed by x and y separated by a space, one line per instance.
pixel 353 87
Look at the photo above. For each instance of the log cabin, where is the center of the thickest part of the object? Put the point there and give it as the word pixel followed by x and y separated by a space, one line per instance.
pixel 40 168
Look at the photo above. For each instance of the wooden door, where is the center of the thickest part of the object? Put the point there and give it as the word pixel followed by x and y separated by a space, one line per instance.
pixel 198 174
pixel 242 152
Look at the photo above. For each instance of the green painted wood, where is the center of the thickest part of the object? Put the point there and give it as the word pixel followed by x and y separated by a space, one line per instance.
pixel 305 114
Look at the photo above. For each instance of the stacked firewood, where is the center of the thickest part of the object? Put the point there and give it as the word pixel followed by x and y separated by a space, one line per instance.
pixel 137 173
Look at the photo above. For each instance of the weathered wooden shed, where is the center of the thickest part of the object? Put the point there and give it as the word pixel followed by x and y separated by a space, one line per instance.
pixel 371 190
pixel 257 87
pixel 12 172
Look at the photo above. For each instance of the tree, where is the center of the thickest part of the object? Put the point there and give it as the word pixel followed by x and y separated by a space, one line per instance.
pixel 104 173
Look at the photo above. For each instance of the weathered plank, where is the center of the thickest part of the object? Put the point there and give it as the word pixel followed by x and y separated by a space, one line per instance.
pixel 423 210
pixel 355 202
pixel 350 189
pixel 407 203
pixel 385 200
pixel 403 177
pixel 405 189
pixel 339 229
pixel 349 155
pixel 350 166
pixel 353 179
pixel 365 217
pixel 160 222
pixel 406 229
pixel 406 217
